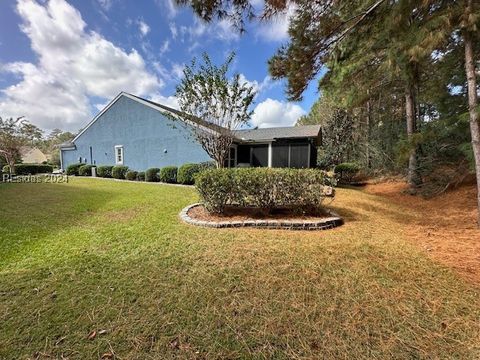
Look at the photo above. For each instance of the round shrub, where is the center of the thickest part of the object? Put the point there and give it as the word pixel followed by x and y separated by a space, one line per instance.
pixel 85 170
pixel 186 173
pixel 6 169
pixel 119 172
pixel 131 175
pixel 345 172
pixel 141 176
pixel 104 171
pixel 168 174
pixel 266 189
pixel 152 175
pixel 72 169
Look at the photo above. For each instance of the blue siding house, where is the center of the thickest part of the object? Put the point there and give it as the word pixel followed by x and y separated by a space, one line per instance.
pixel 141 134
pixel 134 132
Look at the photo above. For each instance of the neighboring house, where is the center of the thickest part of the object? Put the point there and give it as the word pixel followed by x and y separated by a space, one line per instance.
pixel 32 155
pixel 140 134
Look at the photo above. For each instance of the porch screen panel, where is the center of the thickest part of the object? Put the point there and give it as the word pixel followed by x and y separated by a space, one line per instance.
pixel 280 155
pixel 260 156
pixel 243 154
pixel 299 155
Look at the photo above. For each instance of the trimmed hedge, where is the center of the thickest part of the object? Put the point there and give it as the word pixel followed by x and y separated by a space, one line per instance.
pixel 346 171
pixel 263 188
pixel 32 169
pixel 72 169
pixel 186 173
pixel 131 175
pixel 152 175
pixel 168 174
pixel 119 172
pixel 141 176
pixel 85 170
pixel 105 171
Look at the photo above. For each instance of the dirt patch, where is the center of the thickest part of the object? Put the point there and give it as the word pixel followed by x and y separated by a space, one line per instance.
pixel 233 214
pixel 444 226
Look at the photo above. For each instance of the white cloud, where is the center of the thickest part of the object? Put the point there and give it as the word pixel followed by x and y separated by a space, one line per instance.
pixel 270 113
pixel 169 6
pixel 276 29
pixel 143 27
pixel 170 101
pixel 105 4
pixel 257 87
pixel 177 70
pixel 165 47
pixel 72 65
pixel 200 32
pixel 173 29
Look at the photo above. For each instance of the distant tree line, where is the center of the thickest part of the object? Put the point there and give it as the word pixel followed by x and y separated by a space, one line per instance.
pixel 16 133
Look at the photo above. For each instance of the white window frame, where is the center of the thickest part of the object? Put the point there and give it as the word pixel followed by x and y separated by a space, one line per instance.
pixel 119 147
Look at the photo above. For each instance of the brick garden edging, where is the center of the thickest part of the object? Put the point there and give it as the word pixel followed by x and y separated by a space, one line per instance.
pixel 323 224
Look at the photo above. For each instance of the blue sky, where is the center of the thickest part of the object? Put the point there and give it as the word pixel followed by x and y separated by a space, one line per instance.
pixel 60 62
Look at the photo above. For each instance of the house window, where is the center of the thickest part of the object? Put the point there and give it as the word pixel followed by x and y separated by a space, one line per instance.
pixel 231 160
pixel 119 154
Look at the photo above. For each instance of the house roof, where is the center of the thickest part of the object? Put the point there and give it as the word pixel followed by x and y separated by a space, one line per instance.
pixel 309 131
pixel 306 131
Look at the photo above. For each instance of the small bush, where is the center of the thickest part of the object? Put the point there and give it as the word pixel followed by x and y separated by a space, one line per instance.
pixel 72 169
pixel 104 171
pixel 168 174
pixel 186 173
pixel 6 169
pixel 266 189
pixel 152 175
pixel 32 169
pixel 85 170
pixel 345 172
pixel 131 175
pixel 141 176
pixel 119 172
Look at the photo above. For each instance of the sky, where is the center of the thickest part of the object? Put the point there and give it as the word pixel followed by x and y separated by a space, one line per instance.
pixel 62 61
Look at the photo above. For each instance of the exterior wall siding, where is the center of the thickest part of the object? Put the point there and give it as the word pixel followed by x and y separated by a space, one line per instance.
pixel 144 133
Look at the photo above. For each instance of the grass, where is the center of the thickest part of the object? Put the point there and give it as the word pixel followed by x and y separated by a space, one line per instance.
pixel 102 255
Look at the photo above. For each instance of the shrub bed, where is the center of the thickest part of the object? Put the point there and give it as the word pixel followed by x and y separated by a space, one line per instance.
pixel 131 175
pixel 32 169
pixel 345 172
pixel 72 169
pixel 119 172
pixel 151 175
pixel 141 176
pixel 168 174
pixel 104 171
pixel 85 170
pixel 266 189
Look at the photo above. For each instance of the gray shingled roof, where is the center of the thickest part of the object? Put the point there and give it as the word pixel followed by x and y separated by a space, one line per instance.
pixel 307 131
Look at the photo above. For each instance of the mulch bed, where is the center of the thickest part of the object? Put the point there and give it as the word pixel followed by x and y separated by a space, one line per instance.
pixel 235 214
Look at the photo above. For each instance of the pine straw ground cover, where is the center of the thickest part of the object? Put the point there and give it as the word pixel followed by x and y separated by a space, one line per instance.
pixel 444 226
pixel 114 258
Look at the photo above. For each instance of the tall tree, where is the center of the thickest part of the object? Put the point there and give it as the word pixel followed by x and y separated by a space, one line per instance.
pixel 221 103
pixel 469 24
pixel 14 134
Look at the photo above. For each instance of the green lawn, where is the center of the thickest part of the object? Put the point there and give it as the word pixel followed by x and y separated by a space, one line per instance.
pixel 103 255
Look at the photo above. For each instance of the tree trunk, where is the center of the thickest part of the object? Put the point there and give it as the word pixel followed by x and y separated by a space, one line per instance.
pixel 472 107
pixel 367 150
pixel 413 178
